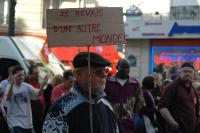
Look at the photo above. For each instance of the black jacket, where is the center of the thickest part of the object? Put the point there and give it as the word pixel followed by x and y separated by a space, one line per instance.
pixel 70 114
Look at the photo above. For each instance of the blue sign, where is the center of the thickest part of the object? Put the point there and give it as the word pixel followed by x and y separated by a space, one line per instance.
pixel 184 29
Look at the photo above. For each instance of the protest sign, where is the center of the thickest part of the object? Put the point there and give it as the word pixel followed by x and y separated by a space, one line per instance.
pixel 85 26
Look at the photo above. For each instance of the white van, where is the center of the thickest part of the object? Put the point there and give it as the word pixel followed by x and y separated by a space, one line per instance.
pixel 25 50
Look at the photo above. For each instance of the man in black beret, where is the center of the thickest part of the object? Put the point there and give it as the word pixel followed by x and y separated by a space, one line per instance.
pixel 81 60
pixel 71 113
pixel 179 103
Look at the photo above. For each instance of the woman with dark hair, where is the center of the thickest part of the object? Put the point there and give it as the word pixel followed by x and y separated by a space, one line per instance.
pixel 148 111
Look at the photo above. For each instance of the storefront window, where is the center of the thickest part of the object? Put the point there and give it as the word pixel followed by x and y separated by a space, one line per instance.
pixel 185 12
pixel 174 55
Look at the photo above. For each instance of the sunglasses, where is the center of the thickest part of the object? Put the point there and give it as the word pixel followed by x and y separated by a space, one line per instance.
pixel 102 72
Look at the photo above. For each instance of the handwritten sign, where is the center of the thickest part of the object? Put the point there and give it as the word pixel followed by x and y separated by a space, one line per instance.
pixel 85 26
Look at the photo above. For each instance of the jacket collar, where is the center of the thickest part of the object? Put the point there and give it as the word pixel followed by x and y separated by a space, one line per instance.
pixel 85 94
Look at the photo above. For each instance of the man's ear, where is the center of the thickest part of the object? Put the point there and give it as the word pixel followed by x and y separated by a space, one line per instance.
pixel 77 74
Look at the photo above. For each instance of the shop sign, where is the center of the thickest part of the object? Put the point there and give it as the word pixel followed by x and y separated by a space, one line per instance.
pixel 132 60
pixel 178 29
pixel 153 29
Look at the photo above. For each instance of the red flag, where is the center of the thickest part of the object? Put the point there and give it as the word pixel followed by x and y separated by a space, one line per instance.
pixel 44 55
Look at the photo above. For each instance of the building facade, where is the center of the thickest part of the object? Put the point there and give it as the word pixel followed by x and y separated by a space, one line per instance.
pixel 30 19
pixel 157 31
pixel 170 37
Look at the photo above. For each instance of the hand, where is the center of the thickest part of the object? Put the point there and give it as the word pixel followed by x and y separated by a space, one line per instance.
pixel 157 98
pixel 174 125
pixel 14 77
pixel 46 78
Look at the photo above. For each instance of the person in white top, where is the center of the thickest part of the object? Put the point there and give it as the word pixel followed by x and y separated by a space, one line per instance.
pixel 3 106
pixel 6 82
pixel 18 95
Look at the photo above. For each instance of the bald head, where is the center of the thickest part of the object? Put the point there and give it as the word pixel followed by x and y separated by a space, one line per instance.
pixel 122 61
pixel 123 69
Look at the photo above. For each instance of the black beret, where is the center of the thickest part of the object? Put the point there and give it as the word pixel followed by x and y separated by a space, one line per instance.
pixel 96 60
pixel 187 64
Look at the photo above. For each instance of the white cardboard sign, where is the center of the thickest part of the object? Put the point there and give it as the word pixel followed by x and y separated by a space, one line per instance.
pixel 85 26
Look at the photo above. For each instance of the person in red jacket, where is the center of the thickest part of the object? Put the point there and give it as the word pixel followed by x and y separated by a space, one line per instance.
pixel 36 104
pixel 64 88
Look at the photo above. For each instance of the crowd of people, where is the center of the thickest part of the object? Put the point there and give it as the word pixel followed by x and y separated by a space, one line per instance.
pixel 89 100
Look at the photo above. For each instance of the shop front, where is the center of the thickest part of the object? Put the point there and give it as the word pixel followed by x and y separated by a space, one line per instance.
pixel 169 43
pixel 173 52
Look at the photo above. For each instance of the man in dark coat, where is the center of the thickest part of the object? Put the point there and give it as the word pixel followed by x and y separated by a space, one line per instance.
pixel 124 93
pixel 179 105
pixel 71 114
